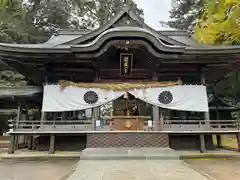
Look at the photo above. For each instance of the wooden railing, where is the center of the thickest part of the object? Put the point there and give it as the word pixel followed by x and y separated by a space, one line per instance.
pixel 87 125
pixel 201 125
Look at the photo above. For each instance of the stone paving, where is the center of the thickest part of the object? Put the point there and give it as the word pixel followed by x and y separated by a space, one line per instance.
pixel 135 168
pixel 114 163
pixel 36 170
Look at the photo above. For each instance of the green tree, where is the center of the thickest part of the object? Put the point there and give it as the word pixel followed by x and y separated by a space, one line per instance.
pixel 228 89
pixel 12 26
pixel 33 21
pixel 184 13
pixel 220 24
pixel 51 15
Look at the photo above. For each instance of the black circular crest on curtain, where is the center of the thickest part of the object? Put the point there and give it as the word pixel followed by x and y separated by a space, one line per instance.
pixel 90 97
pixel 165 97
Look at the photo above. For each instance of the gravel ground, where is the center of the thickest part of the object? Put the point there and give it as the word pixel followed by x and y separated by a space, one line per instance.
pixel 219 169
pixel 32 170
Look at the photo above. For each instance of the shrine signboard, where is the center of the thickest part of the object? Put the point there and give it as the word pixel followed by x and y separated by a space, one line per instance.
pixel 126 60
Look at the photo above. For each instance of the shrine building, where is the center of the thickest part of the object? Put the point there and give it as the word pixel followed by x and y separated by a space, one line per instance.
pixel 122 85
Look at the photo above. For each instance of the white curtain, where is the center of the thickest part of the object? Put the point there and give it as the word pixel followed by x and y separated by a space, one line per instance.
pixel 184 98
pixel 71 98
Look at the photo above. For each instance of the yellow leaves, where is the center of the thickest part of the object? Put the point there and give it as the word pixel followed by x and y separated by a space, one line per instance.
pixel 220 23
pixel 207 34
pixel 230 2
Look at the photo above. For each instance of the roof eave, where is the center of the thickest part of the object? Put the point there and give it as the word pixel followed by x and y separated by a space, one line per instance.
pixel 214 50
pixel 20 49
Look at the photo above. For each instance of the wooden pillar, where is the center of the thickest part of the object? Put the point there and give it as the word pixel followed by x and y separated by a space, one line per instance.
pixel 18 118
pixel 11 147
pixel 203 82
pixel 93 120
pixel 202 144
pixel 219 141
pixel 206 115
pixel 30 142
pixel 64 117
pixel 95 116
pixel 43 117
pixel 96 110
pixel 218 136
pixel 19 114
pixel 52 144
pixel 43 114
pixel 156 119
pixel 161 120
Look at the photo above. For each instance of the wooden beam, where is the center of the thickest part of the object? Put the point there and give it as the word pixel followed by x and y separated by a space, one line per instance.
pixel 159 70
pixel 121 78
pixel 180 74
pixel 73 70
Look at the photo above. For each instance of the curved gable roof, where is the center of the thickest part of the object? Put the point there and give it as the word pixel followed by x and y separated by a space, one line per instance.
pixel 125 12
pixel 128 32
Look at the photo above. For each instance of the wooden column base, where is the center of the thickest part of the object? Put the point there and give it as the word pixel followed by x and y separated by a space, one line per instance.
pixel 52 144
pixel 30 142
pixel 11 147
pixel 202 144
pixel 219 141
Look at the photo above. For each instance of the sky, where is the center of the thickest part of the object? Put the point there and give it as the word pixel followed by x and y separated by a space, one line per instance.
pixel 155 11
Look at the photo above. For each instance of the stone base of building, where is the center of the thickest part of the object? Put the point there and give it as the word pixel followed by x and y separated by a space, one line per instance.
pixel 108 140
pixel 62 143
pixel 189 142
pixel 121 140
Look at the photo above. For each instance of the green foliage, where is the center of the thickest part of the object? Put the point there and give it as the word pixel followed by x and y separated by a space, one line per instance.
pixel 236 115
pixel 33 21
pixel 9 78
pixel 184 13
pixel 229 89
pixel 219 23
pixel 11 16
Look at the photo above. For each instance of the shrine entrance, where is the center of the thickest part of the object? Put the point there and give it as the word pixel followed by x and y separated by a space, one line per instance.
pixel 127 114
